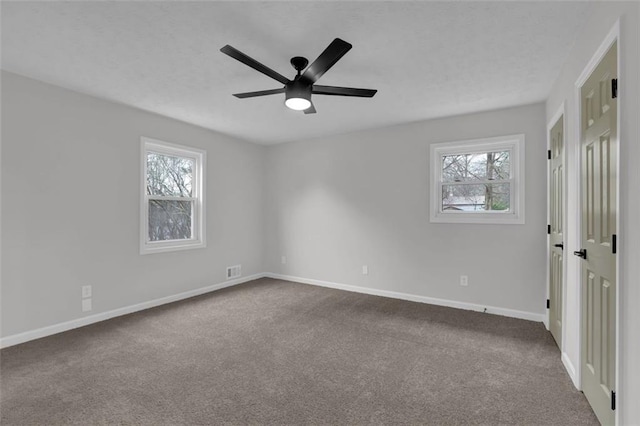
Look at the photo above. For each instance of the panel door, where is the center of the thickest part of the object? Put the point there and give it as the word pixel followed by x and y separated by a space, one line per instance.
pixel 599 145
pixel 556 217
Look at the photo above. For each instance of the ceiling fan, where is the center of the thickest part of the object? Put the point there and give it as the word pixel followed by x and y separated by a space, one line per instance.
pixel 299 90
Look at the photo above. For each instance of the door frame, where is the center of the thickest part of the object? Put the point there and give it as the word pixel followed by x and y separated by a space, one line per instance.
pixel 561 112
pixel 612 37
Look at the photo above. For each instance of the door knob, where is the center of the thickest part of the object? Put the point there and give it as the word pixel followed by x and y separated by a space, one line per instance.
pixel 559 245
pixel 581 253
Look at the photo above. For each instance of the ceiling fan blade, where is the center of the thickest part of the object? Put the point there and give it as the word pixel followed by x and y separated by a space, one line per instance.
pixel 343 91
pixel 247 60
pixel 258 93
pixel 326 60
pixel 310 110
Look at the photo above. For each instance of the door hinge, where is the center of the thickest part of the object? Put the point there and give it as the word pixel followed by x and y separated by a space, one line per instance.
pixel 549 154
pixel 549 229
pixel 613 400
pixel 614 88
pixel 614 243
pixel 548 303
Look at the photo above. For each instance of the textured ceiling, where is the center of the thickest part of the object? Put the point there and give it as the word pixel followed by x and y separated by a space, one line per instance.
pixel 427 59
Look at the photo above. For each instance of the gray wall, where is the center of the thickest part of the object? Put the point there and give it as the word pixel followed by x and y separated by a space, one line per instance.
pixel 70 206
pixel 603 17
pixel 335 204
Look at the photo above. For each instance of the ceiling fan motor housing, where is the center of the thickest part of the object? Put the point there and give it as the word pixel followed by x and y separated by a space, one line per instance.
pixel 298 89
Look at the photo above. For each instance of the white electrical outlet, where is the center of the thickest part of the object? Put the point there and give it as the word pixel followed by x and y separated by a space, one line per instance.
pixel 464 280
pixel 283 260
pixel 365 270
pixel 86 291
pixel 86 305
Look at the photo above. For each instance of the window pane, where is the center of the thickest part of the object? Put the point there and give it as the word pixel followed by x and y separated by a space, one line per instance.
pixel 169 220
pixel 169 175
pixel 476 197
pixel 470 167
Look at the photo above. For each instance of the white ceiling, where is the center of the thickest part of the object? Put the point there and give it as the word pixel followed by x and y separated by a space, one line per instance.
pixel 427 59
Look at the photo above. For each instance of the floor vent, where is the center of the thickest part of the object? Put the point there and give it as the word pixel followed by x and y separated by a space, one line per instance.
pixel 234 271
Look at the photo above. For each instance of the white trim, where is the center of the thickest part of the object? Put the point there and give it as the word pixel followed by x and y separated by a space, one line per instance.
pixel 513 143
pixel 81 322
pixel 199 210
pixel 27 336
pixel 571 370
pixel 576 236
pixel 561 112
pixel 610 38
pixel 531 316
pixel 565 220
pixel 613 36
pixel 619 223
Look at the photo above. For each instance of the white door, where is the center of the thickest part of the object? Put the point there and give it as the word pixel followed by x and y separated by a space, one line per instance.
pixel 556 216
pixel 599 146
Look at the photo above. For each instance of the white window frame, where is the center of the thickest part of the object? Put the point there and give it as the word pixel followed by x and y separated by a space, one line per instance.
pixel 512 143
pixel 198 233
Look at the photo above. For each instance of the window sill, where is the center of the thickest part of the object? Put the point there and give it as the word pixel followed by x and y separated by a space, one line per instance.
pixel 479 218
pixel 164 247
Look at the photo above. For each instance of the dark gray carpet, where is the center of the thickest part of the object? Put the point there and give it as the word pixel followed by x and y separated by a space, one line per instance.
pixel 275 352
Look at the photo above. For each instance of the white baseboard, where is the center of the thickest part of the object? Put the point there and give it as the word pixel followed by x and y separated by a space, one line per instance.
pixel 571 370
pixel 80 322
pixel 545 321
pixel 414 298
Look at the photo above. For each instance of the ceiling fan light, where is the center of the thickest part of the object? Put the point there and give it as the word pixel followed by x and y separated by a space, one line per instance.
pixel 298 104
pixel 297 95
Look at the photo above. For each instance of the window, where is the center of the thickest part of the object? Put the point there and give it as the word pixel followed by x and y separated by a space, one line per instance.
pixel 172 204
pixel 478 181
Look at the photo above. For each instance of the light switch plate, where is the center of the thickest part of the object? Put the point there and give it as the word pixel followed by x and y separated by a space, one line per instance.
pixel 86 291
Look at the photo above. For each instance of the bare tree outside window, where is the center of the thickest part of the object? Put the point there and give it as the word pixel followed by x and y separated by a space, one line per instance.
pixel 169 188
pixel 476 182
